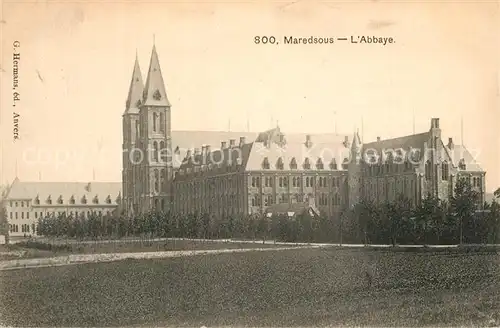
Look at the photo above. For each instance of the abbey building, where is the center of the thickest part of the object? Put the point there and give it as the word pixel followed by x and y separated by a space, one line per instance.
pixel 227 173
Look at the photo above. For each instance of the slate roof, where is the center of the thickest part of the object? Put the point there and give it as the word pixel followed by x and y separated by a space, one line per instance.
pixel 154 93
pixel 135 90
pixel 30 190
pixel 252 153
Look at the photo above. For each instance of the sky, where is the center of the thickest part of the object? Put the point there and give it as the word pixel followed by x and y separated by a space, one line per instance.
pixel 77 59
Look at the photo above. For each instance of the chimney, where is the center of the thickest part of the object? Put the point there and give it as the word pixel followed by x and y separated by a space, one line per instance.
pixel 203 149
pixel 232 143
pixel 450 143
pixel 346 141
pixel 196 151
pixel 188 154
pixel 207 149
pixel 308 141
pixel 435 123
pixel 242 141
pixel 223 145
pixel 378 139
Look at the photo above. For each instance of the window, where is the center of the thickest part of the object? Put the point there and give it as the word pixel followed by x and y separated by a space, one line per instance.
pixel 22 215
pixel 156 180
pixel 155 151
pixel 27 215
pixel 293 164
pixel 95 200
pixel 162 122
pixel 22 204
pixel 268 200
pixel 461 165
pixel 333 164
pixel 445 171
pixel 155 118
pixel 60 200
pixel 319 164
pixel 265 164
pixel 84 200
pixel 307 165
pixel 72 200
pixel 279 164
pixel 428 170
pixel 345 164
pixel 11 215
pixel 49 200
pixel 16 204
pixel 16 216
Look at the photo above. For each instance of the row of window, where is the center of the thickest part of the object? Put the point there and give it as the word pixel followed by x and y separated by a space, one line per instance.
pixel 296 181
pixel 24 228
pixel 60 201
pixel 306 165
pixel 269 200
pixel 15 215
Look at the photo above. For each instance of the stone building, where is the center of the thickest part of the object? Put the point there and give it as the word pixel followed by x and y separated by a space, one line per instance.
pixel 27 202
pixel 243 173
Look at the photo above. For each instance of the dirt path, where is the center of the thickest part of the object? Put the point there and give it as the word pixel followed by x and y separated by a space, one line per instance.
pixel 110 257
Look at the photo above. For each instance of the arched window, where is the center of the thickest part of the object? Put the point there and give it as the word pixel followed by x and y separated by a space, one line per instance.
pixel 163 152
pixel 307 164
pixel 155 151
pixel 162 122
pixel 333 164
pixel 319 164
pixel 157 204
pixel 445 173
pixel 156 180
pixel 428 170
pixel 279 164
pixel 163 180
pixel 265 163
pixel 155 123
pixel 345 164
pixel 461 164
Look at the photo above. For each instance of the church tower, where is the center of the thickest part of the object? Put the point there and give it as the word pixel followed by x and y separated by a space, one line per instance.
pixel 156 170
pixel 130 122
pixel 355 172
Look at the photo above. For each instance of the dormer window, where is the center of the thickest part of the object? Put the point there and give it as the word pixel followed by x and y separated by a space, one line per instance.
pixel 84 200
pixel 319 164
pixel 157 95
pixel 138 103
pixel 333 164
pixel 345 164
pixel 49 200
pixel 118 198
pixel 60 200
pixel 307 164
pixel 461 165
pixel 279 164
pixel 108 199
pixel 293 164
pixel 72 200
pixel 265 163
pixel 37 200
pixel 95 200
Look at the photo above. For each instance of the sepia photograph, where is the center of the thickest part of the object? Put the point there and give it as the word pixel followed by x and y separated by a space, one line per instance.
pixel 250 164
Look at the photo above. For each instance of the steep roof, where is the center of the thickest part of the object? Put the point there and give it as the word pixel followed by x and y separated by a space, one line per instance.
pixel 415 141
pixel 135 90
pixel 189 140
pixel 252 153
pixel 154 93
pixel 458 153
pixel 66 190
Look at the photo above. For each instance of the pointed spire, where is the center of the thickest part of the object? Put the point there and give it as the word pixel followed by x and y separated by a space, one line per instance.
pixel 154 93
pixel 135 89
pixel 356 142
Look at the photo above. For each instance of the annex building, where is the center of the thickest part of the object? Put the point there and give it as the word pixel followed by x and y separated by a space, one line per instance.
pixel 249 174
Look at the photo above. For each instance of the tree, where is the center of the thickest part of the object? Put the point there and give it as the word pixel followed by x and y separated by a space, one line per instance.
pixel 4 223
pixel 463 203
pixel 496 194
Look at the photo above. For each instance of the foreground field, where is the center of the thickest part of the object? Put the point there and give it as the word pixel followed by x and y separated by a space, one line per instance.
pixel 306 287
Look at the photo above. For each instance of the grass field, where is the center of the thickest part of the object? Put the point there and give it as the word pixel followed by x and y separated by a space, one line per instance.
pixel 17 251
pixel 303 287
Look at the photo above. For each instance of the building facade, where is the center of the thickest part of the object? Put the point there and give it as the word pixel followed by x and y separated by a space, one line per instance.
pixel 27 202
pixel 245 173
